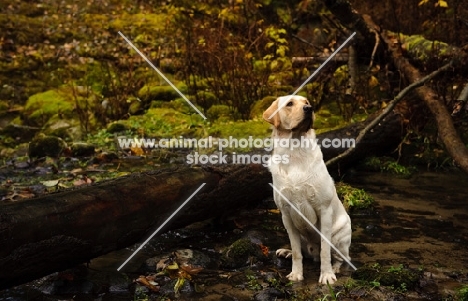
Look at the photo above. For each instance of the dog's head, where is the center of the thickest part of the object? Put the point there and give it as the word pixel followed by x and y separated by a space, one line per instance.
pixel 288 113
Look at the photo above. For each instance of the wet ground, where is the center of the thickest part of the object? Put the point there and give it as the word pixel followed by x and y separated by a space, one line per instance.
pixel 418 224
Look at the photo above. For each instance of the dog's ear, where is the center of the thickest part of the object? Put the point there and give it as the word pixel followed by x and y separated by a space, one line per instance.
pixel 275 119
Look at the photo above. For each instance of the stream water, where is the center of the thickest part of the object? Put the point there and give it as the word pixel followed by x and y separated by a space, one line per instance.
pixel 420 223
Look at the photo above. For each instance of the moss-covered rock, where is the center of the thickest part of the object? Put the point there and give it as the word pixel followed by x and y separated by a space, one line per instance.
pixel 136 107
pixel 82 149
pixel 240 253
pixel 153 91
pixel 221 111
pixel 260 106
pixel 41 107
pixel 116 127
pixel 19 133
pixel 165 122
pixel 68 129
pixel 46 146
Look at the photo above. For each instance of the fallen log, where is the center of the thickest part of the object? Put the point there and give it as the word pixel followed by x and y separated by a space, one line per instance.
pixel 60 230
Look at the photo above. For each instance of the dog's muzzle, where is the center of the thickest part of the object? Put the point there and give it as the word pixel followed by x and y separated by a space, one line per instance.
pixel 308 109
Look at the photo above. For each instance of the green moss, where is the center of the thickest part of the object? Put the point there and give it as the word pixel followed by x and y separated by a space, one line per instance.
pixel 238 253
pixel 116 127
pixel 180 105
pixel 205 99
pixel 42 106
pixel 3 107
pixel 153 91
pixel 353 198
pixel 463 293
pixel 399 278
pixel 240 129
pixel 144 22
pixel 388 165
pixel 260 106
pixel 46 146
pixel 242 247
pixel 165 122
pixel 221 111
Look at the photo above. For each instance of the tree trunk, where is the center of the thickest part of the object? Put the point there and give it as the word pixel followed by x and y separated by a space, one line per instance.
pixel 447 132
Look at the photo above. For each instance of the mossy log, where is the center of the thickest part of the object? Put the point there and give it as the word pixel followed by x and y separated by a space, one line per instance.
pixel 59 230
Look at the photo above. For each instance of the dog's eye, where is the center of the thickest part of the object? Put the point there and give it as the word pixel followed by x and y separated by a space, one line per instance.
pixel 289 104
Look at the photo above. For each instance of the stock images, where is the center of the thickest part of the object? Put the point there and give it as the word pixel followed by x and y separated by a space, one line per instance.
pixel 233 150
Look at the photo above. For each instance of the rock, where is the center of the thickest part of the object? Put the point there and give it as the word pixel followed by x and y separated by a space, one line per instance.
pixel 186 289
pixel 68 129
pixel 20 133
pixel 269 294
pixel 118 282
pixel 46 146
pixel 82 149
pixel 116 127
pixel 240 254
pixel 155 91
pixel 40 107
pixel 136 107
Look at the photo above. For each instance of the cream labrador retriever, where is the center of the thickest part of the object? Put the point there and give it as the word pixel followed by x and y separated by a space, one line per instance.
pixel 304 180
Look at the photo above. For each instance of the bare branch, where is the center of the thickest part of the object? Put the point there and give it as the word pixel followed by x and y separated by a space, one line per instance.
pixel 387 110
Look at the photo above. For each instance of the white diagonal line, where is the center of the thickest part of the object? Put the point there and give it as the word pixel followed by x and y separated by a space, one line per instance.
pixel 313 74
pixel 313 226
pixel 160 227
pixel 161 74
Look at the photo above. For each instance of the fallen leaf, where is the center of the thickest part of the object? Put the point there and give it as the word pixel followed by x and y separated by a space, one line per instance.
pixel 143 281
pixel 50 183
pixel 137 151
pixel 191 270
pixel 265 250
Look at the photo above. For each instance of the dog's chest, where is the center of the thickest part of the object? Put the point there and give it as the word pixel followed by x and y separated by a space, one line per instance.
pixel 304 184
pixel 298 187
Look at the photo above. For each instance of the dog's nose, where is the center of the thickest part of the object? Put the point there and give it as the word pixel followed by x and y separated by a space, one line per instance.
pixel 308 109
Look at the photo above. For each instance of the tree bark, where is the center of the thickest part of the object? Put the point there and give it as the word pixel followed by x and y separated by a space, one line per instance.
pixel 447 132
pixel 59 230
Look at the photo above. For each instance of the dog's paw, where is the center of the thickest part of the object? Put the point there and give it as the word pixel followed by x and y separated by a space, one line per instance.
pixel 286 253
pixel 293 276
pixel 327 277
pixel 336 269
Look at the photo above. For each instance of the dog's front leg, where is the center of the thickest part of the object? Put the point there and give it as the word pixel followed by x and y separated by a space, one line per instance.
pixel 326 271
pixel 295 241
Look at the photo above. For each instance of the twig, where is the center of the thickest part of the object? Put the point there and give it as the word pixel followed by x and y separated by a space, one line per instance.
pixel 377 42
pixel 352 68
pixel 464 94
pixel 305 41
pixel 388 109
